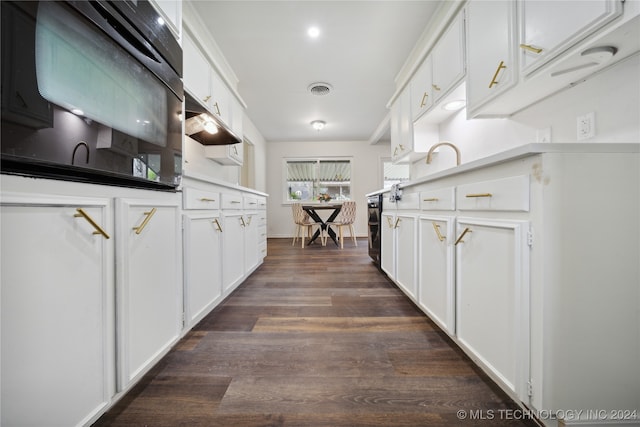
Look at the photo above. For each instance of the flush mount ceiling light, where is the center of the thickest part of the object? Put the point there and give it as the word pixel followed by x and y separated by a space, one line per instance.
pixel 318 125
pixel 454 105
pixel 319 88
pixel 313 32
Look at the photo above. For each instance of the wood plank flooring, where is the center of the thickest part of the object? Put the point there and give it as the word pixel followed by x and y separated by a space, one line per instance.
pixel 315 337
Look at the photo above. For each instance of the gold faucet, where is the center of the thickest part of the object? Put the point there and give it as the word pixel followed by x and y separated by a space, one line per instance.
pixel 433 148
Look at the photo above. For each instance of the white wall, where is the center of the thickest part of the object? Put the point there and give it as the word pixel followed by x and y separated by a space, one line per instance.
pixel 613 95
pixel 365 177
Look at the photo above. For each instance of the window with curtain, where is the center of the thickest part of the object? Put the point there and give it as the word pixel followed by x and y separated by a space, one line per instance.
pixel 317 179
pixel 395 174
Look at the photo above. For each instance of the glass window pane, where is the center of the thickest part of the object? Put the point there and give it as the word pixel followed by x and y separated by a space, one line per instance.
pixel 312 180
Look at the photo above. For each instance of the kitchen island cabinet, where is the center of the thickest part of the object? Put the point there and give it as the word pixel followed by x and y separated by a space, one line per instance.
pixel 542 295
pixel 57 309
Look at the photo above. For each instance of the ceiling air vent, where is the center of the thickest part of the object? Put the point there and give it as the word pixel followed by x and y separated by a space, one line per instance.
pixel 320 89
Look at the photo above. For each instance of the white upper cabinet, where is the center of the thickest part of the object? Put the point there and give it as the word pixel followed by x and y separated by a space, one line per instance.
pixel 448 59
pixel 401 127
pixel 197 71
pixel 421 89
pixel 491 61
pixel 550 27
pixel 171 11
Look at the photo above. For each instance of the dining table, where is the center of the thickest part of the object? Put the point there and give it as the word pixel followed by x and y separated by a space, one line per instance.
pixel 312 209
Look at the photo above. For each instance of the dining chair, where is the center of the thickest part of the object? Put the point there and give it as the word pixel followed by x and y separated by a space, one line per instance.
pixel 303 223
pixel 345 218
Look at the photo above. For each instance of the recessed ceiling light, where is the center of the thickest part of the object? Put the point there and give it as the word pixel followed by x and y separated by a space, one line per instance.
pixel 313 32
pixel 454 105
pixel 319 88
pixel 318 124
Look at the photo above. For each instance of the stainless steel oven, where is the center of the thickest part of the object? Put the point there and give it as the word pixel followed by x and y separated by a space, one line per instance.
pixel 92 92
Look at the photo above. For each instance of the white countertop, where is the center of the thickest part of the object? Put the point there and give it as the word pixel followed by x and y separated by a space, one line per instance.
pixel 210 180
pixel 520 152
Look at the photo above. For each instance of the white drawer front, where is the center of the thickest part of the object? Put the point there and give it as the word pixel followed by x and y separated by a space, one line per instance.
pixel 442 199
pixel 409 201
pixel 250 202
pixel 262 203
pixel 231 201
pixel 193 198
pixel 505 194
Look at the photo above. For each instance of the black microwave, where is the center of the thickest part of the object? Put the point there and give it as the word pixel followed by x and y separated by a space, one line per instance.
pixel 91 92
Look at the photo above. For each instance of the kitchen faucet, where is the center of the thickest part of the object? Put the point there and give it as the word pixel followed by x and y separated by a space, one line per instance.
pixel 433 148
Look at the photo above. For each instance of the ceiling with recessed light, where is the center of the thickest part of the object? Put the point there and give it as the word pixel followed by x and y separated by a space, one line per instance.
pixel 357 51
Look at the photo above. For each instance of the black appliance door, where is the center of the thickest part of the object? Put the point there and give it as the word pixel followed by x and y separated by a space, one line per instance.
pixel 86 97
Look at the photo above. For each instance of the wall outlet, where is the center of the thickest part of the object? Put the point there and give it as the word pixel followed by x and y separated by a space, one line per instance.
pixel 586 126
pixel 543 135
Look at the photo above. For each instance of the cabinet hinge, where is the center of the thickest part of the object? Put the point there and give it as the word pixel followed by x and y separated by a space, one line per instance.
pixel 530 238
pixel 529 388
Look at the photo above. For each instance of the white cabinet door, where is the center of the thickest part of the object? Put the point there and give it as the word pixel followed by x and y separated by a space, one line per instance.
pixel 448 59
pixel 436 287
pixel 401 127
pixel 388 242
pixel 149 277
pixel 221 99
pixel 491 61
pixel 171 10
pixel 421 89
pixel 197 71
pixel 406 228
pixel 233 255
pixel 57 311
pixel 202 265
pixel 551 27
pixel 251 241
pixel 492 295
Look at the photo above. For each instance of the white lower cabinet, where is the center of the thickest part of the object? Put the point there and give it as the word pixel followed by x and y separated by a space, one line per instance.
pixel 149 283
pixel 406 229
pixel 233 256
pixel 251 242
pixel 57 310
pixel 436 287
pixel 492 297
pixel 388 244
pixel 202 264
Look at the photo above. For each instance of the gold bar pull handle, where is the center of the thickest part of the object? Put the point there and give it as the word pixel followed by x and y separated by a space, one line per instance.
pixel 530 48
pixel 435 87
pixel 459 240
pixel 424 100
pixel 431 199
pixel 495 76
pixel 397 224
pixel 244 224
pixel 436 227
pixel 98 230
pixel 206 98
pixel 217 223
pixel 217 108
pixel 480 195
pixel 147 217
pixel 249 220
pixel 389 222
pixel 206 199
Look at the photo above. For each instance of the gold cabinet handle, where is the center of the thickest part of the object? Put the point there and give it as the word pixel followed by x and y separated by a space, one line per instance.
pixel 249 220
pixel 495 76
pixel 147 217
pixel 424 100
pixel 217 108
pixel 435 87
pixel 389 222
pixel 235 150
pixel 401 147
pixel 397 223
pixel 244 224
pixel 459 240
pixel 206 98
pixel 98 230
pixel 217 223
pixel 530 48
pixel 480 195
pixel 205 199
pixel 436 227
pixel 235 202
pixel 431 199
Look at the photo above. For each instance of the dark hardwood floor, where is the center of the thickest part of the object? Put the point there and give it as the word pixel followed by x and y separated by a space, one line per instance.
pixel 315 337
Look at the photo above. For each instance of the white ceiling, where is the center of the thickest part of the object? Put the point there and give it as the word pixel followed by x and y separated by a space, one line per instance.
pixel 361 48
